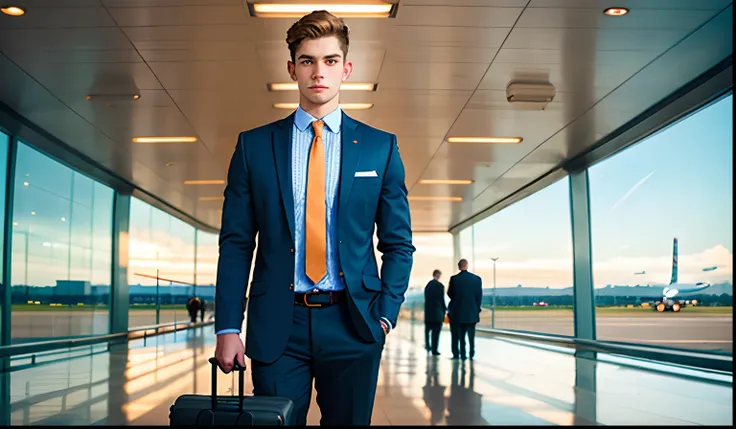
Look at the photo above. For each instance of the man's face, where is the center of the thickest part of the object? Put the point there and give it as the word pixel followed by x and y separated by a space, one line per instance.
pixel 320 69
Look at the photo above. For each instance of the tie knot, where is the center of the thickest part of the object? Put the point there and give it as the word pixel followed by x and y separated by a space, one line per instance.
pixel 318 127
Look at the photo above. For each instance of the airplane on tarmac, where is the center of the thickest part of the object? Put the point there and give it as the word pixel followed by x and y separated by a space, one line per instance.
pixel 671 293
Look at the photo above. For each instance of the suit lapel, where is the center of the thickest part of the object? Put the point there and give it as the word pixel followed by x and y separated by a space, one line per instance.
pixel 350 150
pixel 282 153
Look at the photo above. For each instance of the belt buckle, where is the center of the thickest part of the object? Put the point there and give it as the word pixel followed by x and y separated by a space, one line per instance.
pixel 312 292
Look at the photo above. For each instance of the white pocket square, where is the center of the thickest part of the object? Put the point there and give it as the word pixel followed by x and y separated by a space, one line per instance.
pixel 371 173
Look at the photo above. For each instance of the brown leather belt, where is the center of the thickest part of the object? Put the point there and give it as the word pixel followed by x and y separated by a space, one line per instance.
pixel 319 298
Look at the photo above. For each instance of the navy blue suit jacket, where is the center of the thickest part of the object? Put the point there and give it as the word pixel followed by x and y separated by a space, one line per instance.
pixel 466 296
pixel 259 200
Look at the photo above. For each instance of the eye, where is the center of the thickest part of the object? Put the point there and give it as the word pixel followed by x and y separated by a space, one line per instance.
pixel 331 62
pixel 306 62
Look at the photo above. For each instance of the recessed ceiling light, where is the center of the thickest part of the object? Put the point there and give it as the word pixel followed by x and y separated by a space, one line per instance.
pixel 616 11
pixel 343 106
pixel 204 182
pixel 367 9
pixel 346 86
pixel 165 140
pixel 13 11
pixel 497 140
pixel 411 198
pixel 445 182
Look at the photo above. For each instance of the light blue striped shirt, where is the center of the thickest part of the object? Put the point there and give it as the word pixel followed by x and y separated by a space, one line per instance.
pixel 301 144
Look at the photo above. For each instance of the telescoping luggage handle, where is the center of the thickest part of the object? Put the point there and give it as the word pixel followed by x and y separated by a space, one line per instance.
pixel 241 375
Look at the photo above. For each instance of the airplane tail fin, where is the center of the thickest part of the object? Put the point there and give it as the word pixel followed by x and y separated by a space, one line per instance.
pixel 674 262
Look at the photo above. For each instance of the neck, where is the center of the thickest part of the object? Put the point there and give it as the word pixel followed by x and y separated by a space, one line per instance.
pixel 319 111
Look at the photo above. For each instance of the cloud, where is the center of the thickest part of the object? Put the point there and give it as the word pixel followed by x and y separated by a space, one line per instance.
pixel 631 191
pixel 621 270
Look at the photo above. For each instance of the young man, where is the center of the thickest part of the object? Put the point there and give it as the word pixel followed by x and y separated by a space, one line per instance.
pixel 313 185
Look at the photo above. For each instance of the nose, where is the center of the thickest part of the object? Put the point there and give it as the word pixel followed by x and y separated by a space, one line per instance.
pixel 318 71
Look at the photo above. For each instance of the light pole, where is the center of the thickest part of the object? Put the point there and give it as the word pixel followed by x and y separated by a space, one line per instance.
pixel 493 304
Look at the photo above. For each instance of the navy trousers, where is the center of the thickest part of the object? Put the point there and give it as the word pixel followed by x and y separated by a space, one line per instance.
pixel 324 347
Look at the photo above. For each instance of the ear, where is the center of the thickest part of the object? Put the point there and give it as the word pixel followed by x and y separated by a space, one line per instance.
pixel 291 68
pixel 347 70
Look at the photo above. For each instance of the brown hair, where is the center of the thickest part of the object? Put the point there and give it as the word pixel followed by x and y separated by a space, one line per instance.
pixel 316 25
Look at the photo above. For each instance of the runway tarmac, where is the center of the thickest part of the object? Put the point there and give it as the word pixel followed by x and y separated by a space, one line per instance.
pixel 681 330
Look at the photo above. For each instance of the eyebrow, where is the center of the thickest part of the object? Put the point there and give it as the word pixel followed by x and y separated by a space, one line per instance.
pixel 327 57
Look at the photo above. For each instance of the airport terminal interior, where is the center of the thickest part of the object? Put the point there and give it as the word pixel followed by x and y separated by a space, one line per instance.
pixel 577 153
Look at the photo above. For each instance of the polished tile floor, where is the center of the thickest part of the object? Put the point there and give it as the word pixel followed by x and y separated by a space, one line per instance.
pixel 508 383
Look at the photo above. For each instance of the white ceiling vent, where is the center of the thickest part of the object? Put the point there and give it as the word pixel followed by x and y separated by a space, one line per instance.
pixel 530 95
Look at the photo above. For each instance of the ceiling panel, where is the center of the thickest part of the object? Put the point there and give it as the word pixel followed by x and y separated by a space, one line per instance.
pixel 417 53
pixel 152 3
pixel 179 15
pixel 208 74
pixel 461 76
pixel 450 36
pixel 594 18
pixel 37 40
pixel 60 17
pixel 635 5
pixel 198 33
pixel 600 79
pixel 460 16
pixel 171 51
pixel 201 67
pixel 483 3
pixel 590 40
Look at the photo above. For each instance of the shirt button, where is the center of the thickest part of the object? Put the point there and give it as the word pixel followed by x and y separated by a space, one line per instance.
pixel 291 287
pixel 292 250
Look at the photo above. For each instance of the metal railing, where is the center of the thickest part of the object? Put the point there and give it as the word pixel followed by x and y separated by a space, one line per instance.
pixel 31 350
pixel 687 358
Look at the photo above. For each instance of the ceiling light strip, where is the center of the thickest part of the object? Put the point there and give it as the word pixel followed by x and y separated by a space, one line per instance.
pixel 366 10
pixel 455 199
pixel 347 86
pixel 165 140
pixel 495 140
pixel 445 182
pixel 343 106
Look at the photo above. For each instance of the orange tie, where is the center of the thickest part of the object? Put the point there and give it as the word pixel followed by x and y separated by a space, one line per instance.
pixel 316 219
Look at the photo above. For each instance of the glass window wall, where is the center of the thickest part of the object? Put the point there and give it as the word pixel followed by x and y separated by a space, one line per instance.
pixel 661 217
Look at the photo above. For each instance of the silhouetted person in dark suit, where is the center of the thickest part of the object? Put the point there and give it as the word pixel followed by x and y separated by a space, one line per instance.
pixel 465 292
pixel 193 306
pixel 434 312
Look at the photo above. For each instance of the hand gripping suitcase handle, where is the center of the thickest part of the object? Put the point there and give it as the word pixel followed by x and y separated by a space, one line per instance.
pixel 241 375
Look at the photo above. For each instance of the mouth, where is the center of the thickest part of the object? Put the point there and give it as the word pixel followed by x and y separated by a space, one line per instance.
pixel 318 88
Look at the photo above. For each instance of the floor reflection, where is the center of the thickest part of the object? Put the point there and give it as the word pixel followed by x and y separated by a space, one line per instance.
pixel 507 384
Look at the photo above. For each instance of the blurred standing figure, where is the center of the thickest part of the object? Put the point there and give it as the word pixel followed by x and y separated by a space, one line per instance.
pixel 434 312
pixel 193 306
pixel 465 292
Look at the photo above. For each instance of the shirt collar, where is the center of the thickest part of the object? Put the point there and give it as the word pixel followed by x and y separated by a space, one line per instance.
pixel 333 120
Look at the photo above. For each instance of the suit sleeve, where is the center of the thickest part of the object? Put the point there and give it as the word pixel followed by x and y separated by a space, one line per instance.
pixel 479 294
pixel 393 223
pixel 237 243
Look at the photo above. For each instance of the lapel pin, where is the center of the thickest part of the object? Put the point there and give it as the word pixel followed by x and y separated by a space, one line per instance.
pixel 355 141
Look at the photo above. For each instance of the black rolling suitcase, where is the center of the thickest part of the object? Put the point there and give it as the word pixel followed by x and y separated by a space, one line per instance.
pixel 241 410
